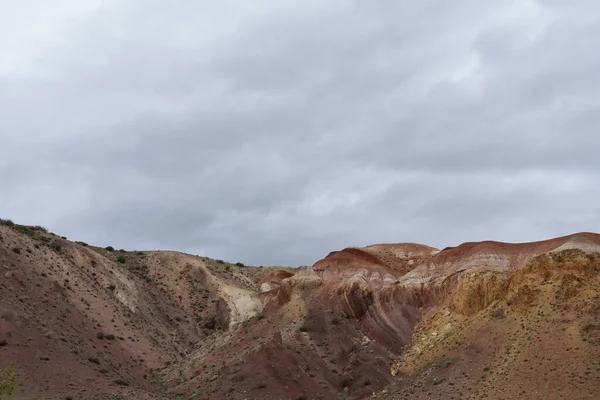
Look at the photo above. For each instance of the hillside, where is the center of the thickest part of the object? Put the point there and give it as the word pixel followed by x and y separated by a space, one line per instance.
pixel 387 321
pixel 75 318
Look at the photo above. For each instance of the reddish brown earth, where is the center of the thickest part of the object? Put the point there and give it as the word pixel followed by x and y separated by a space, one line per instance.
pixel 74 319
pixel 488 319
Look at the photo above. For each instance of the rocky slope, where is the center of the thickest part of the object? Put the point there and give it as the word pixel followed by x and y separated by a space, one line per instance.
pixel 385 321
pixel 78 320
pixel 530 335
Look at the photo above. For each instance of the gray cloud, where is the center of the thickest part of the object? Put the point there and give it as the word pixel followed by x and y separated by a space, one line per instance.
pixel 275 133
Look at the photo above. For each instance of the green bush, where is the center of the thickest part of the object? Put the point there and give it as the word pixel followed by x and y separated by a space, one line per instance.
pixel 239 264
pixel 6 222
pixel 8 381
pixel 121 259
pixel 345 379
pixel 109 248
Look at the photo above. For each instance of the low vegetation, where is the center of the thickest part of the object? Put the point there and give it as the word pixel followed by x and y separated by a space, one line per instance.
pixel 8 381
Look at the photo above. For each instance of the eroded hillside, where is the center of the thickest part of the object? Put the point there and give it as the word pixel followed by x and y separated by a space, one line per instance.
pixel 529 335
pixel 79 320
pixel 379 322
pixel 487 319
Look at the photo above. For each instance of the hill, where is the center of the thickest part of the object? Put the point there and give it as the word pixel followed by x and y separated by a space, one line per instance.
pixel 387 321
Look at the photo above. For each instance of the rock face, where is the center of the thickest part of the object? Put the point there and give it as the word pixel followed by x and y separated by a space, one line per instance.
pixel 534 334
pixel 358 322
pixel 344 324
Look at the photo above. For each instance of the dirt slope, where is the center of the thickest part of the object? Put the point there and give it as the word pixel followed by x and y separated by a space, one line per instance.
pixel 539 338
pixel 486 319
pixel 76 318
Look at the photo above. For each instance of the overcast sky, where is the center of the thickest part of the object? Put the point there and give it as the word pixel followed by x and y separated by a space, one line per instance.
pixel 273 132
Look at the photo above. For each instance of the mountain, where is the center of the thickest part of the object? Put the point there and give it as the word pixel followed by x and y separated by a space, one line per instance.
pixel 387 321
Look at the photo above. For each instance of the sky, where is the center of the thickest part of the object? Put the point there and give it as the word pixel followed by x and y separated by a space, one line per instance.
pixel 274 132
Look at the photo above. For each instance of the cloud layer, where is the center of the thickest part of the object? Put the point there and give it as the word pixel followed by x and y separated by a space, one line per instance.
pixel 275 132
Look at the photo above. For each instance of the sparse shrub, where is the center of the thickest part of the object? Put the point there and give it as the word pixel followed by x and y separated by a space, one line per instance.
pixel 121 259
pixel 6 222
pixel 16 250
pixel 486 369
pixel 103 371
pixel 261 385
pixel 2 343
pixel 367 382
pixel 84 244
pixel 109 337
pixel 121 382
pixel 45 358
pixel 94 360
pixel 303 328
pixel 220 261
pixel 335 321
pixel 345 379
pixel 23 229
pixel 111 286
pixel 498 313
pixel 139 253
pixel 121 250
pixel 109 248
pixel 301 397
pixel 239 264
pixel 100 335
pixel 8 381
pixel 56 246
